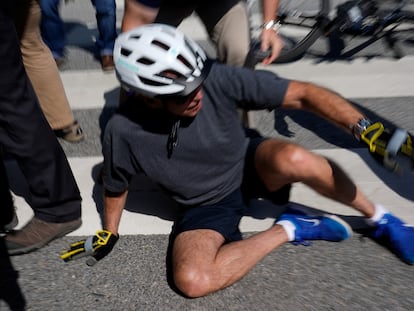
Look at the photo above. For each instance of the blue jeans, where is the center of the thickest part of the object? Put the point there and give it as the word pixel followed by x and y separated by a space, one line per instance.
pixel 53 30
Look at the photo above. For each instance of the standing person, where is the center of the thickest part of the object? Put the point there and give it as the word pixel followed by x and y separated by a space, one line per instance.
pixel 53 30
pixel 26 137
pixel 180 127
pixel 43 73
pixel 226 22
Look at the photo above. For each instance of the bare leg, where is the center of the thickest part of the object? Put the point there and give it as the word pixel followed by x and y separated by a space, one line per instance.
pixel 203 264
pixel 136 14
pixel 280 162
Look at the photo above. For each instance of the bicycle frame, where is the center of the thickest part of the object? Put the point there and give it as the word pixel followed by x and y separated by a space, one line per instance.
pixel 382 24
pixel 380 18
pixel 362 18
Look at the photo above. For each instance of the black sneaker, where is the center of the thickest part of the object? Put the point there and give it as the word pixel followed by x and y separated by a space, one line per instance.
pixel 36 234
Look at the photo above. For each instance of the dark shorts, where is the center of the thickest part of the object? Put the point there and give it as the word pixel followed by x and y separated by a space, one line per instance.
pixel 224 216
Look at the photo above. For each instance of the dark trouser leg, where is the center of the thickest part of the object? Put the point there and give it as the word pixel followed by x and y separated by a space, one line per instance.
pixel 7 209
pixel 27 137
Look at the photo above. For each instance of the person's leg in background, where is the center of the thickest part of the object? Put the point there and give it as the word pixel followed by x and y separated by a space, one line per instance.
pixel 138 13
pixel 26 136
pixel 173 13
pixel 44 75
pixel 106 20
pixel 8 219
pixel 53 29
pixel 231 35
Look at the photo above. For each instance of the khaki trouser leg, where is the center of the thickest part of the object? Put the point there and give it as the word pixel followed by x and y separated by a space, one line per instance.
pixel 43 72
pixel 232 37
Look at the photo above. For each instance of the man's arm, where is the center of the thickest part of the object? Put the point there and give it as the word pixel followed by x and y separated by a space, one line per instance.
pixel 270 38
pixel 324 102
pixel 386 145
pixel 101 244
pixel 114 204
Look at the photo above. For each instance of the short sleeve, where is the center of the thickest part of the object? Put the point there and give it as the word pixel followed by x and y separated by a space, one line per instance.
pixel 119 164
pixel 250 89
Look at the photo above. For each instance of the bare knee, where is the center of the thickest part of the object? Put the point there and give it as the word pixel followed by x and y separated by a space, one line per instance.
pixel 295 163
pixel 294 155
pixel 193 262
pixel 284 163
pixel 291 158
pixel 192 282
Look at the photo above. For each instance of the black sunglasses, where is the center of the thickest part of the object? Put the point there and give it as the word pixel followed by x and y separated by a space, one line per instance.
pixel 181 100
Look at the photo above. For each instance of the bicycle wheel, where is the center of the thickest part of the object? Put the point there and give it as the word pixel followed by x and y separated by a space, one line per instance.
pixel 301 25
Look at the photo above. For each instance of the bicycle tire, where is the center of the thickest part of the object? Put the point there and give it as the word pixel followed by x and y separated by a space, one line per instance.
pixel 302 23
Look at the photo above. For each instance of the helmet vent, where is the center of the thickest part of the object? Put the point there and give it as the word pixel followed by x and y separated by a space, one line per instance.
pixel 171 74
pixel 151 82
pixel 185 62
pixel 145 61
pixel 125 52
pixel 160 44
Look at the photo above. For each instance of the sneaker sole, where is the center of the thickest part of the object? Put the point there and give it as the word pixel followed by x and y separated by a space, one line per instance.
pixel 34 247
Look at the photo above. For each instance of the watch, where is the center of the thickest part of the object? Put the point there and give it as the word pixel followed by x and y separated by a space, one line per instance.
pixel 360 127
pixel 272 24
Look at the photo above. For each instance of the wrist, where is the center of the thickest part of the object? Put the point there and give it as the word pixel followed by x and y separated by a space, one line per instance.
pixel 271 25
pixel 358 128
pixel 112 231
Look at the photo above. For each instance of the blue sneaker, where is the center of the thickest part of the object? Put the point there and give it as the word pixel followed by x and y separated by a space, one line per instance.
pixel 396 235
pixel 325 227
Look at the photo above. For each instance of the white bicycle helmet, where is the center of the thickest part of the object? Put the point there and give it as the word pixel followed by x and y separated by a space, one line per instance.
pixel 158 60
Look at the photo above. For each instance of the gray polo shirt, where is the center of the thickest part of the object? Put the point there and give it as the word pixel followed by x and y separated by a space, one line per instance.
pixel 207 161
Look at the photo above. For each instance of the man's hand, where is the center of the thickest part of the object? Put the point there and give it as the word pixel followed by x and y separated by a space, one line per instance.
pixel 96 246
pixel 269 37
pixel 270 40
pixel 386 145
